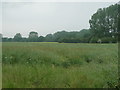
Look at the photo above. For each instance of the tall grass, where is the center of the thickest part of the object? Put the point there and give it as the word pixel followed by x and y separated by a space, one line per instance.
pixel 59 65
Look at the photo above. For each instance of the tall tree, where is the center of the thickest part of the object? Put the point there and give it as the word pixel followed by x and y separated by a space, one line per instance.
pixel 33 36
pixel 104 22
pixel 41 39
pixel 49 38
pixel 17 37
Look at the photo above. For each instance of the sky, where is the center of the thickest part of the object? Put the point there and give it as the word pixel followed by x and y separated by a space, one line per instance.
pixel 46 17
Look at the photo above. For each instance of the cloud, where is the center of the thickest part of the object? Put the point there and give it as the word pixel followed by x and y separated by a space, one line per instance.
pixel 47 17
pixel 60 0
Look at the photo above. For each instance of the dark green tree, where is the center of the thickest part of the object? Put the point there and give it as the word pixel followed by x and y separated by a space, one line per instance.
pixel 41 39
pixel 33 36
pixel 49 38
pixel 104 23
pixel 17 37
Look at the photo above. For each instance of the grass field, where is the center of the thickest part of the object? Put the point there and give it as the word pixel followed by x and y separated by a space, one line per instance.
pixel 59 65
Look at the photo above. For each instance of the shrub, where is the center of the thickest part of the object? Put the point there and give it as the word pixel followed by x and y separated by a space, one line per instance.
pixel 108 40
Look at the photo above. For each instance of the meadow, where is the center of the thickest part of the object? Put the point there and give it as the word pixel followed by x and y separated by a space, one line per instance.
pixel 59 65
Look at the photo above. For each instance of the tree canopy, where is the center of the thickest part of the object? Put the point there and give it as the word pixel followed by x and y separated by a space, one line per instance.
pixel 103 24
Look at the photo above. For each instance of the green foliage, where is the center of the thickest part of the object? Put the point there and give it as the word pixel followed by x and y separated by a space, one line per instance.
pixel 41 39
pixel 108 40
pixel 118 22
pixel 17 37
pixel 104 23
pixel 59 65
pixel 62 36
pixel 33 37
pixel 49 38
pixel 73 37
pixel 94 39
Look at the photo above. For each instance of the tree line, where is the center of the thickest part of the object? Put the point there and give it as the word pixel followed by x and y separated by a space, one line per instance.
pixel 103 29
pixel 61 36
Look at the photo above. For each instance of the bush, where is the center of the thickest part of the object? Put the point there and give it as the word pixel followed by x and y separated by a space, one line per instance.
pixel 94 40
pixel 108 40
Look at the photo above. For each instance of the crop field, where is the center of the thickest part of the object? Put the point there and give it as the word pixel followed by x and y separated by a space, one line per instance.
pixel 59 65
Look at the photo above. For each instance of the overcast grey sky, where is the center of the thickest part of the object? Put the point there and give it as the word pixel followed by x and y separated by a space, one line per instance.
pixel 47 17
